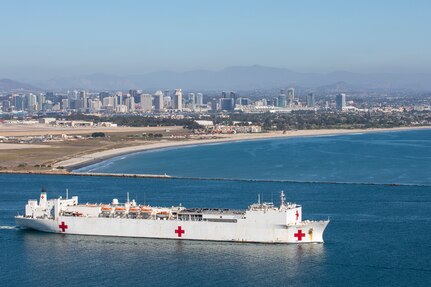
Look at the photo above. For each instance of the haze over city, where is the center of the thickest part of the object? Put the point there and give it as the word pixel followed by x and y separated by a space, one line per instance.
pixel 48 39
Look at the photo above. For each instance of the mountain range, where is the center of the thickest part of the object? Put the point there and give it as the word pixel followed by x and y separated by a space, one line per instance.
pixel 240 78
pixel 11 85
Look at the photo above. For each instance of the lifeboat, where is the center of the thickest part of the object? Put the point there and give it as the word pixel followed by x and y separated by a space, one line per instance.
pixel 134 209
pixel 106 208
pixel 120 209
pixel 146 209
pixel 162 214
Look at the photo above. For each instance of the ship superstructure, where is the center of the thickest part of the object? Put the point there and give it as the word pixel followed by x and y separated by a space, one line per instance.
pixel 260 222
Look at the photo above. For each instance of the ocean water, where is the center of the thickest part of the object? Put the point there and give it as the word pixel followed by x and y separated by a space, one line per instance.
pixel 386 157
pixel 379 234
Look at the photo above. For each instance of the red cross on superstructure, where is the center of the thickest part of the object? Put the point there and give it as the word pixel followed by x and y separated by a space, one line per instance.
pixel 299 235
pixel 179 231
pixel 63 226
pixel 297 214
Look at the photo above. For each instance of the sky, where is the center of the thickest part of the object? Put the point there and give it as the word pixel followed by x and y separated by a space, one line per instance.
pixel 49 38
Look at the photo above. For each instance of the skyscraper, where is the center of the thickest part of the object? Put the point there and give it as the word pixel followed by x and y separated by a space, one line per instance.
pixel 199 99
pixel 191 100
pixel 178 100
pixel 227 104
pixel 158 101
pixel 40 101
pixel 340 101
pixel 84 101
pixel 118 99
pixel 290 95
pixel 146 103
pixel 129 102
pixel 282 99
pixel 310 100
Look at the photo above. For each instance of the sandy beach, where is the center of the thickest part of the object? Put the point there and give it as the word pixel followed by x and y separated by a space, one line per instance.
pixel 87 159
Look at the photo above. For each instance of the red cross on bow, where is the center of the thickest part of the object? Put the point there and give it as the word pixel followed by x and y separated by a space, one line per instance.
pixel 63 226
pixel 299 235
pixel 179 231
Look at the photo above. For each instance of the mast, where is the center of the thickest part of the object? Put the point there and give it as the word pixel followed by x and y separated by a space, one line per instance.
pixel 282 199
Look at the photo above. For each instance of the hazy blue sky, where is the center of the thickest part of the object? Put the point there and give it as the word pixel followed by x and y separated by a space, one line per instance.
pixel 46 38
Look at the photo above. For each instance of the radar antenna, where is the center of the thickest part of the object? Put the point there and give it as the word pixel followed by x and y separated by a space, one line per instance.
pixel 282 199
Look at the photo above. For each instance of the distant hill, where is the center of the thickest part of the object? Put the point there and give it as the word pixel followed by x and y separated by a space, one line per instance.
pixel 11 85
pixel 240 78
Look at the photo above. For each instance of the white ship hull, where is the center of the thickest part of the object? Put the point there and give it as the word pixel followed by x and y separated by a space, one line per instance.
pixel 261 223
pixel 307 232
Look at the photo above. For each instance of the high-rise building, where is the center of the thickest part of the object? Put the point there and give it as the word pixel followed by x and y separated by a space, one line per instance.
pixel 227 104
pixel 158 101
pixel 191 101
pixel 282 101
pixel 64 104
pixel 109 102
pixel 118 99
pixel 95 105
pixel 146 102
pixel 84 100
pixel 31 101
pixel 129 102
pixel 340 101
pixel 233 96
pixel 244 101
pixel 310 100
pixel 291 93
pixel 18 102
pixel 178 100
pixel 5 105
pixel 199 99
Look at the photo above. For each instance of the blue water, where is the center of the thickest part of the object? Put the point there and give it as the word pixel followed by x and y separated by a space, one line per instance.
pixel 388 157
pixel 379 235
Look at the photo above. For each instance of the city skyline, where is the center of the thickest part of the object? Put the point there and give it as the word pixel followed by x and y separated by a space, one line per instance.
pixel 69 39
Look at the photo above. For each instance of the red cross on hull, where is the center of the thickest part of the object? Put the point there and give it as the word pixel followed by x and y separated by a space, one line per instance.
pixel 299 235
pixel 180 231
pixel 63 226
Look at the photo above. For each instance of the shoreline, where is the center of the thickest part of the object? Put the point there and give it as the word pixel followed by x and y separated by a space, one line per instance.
pixel 86 160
